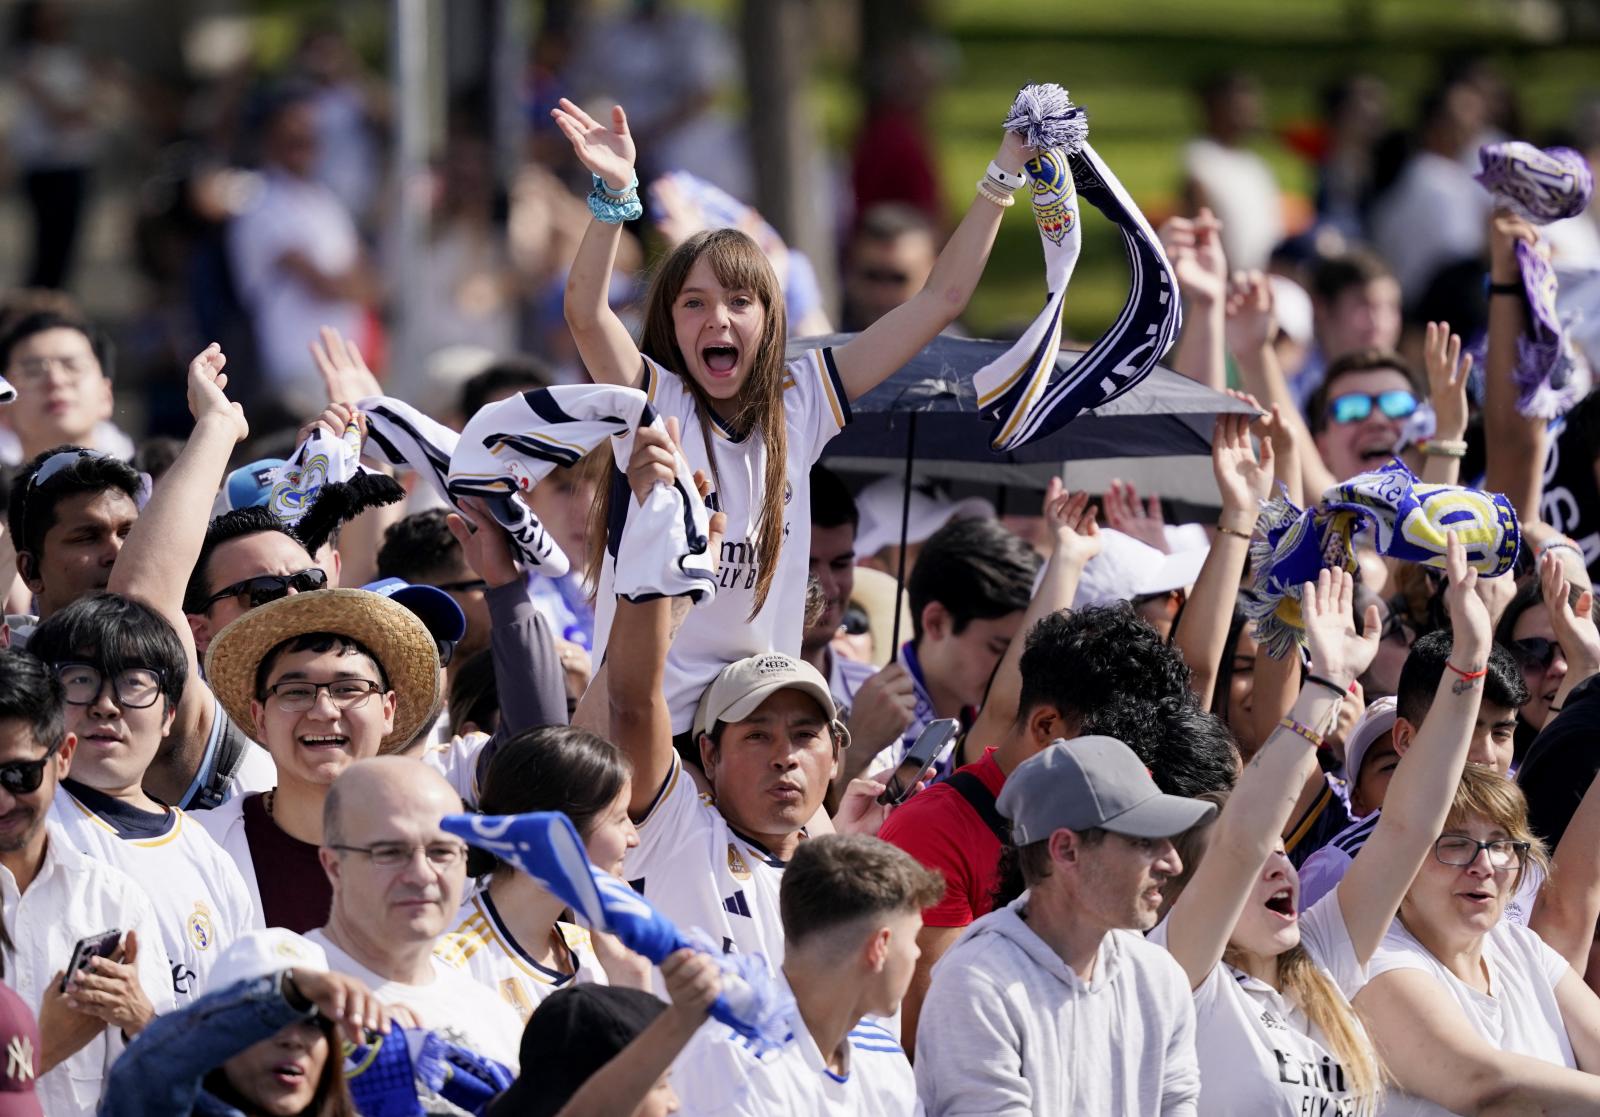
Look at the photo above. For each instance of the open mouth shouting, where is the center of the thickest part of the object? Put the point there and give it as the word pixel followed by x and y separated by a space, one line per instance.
pixel 720 360
pixel 316 742
pixel 1281 904
pixel 1477 897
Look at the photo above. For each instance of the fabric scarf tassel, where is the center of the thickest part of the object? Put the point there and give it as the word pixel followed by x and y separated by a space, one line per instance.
pixel 1016 390
pixel 1406 519
pixel 546 846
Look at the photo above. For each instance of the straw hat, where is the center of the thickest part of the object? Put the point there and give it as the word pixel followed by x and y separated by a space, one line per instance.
pixel 401 642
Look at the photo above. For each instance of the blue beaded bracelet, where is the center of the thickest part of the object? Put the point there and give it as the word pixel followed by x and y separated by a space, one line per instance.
pixel 614 209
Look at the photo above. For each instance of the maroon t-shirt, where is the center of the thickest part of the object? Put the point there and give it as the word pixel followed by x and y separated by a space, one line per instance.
pixel 295 892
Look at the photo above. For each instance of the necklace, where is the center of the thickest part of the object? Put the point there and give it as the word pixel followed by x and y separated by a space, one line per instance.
pixel 266 802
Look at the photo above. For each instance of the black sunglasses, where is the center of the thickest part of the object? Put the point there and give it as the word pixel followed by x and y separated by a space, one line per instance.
pixel 1535 651
pixel 23 777
pixel 269 587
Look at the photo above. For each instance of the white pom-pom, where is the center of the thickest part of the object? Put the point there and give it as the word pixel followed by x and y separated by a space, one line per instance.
pixel 1045 117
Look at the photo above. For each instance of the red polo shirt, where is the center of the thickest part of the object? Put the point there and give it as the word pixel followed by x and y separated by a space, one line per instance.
pixel 941 830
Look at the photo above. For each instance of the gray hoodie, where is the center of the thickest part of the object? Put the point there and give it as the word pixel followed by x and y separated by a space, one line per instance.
pixel 1008 1029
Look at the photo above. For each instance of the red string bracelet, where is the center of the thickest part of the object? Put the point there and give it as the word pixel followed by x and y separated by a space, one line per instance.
pixel 1478 674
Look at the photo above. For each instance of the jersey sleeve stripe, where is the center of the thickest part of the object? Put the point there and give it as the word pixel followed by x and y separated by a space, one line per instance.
pixel 832 385
pixel 663 791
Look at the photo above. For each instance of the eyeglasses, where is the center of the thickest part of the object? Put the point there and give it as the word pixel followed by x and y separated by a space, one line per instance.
pixel 136 688
pixel 1356 406
pixel 447 650
pixel 1535 652
pixel 1460 851
pixel 394 855
pixel 465 586
pixel 34 369
pixel 23 777
pixel 346 694
pixel 269 587
pixel 59 463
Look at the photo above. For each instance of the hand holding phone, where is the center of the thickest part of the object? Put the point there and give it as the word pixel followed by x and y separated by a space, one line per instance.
pixel 931 746
pixel 88 948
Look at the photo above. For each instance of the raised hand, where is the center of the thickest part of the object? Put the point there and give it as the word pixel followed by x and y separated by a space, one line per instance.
pixel 207 399
pixel 1124 514
pixel 1194 246
pixel 654 460
pixel 1070 523
pixel 693 982
pixel 1252 322
pixel 1470 626
pixel 1447 380
pixel 485 544
pixel 108 988
pixel 1243 478
pixel 344 371
pixel 1574 626
pixel 344 1000
pixel 882 708
pixel 1505 230
pixel 606 150
pixel 1338 651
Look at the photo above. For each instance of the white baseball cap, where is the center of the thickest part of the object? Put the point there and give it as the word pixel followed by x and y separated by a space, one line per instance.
pixel 1127 568
pixel 879 506
pixel 1376 720
pixel 259 953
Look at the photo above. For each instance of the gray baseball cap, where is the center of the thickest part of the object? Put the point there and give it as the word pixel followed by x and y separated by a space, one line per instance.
pixel 1092 782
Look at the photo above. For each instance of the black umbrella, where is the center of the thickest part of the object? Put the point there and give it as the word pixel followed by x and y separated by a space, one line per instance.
pixel 927 412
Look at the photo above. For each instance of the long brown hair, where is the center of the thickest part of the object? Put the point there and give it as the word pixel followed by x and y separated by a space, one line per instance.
pixel 739 264
pixel 332 1098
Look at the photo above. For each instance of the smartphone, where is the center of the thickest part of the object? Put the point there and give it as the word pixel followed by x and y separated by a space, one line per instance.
pixel 932 745
pixel 89 948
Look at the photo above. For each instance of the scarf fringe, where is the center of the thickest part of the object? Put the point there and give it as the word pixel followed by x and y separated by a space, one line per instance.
pixel 1045 117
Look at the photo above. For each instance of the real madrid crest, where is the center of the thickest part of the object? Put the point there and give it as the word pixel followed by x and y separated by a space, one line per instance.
pixel 200 927
pixel 736 864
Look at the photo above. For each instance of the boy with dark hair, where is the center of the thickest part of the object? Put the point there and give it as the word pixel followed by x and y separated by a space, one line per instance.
pixel 61 367
pixel 972 582
pixel 501 380
pixel 422 550
pixel 851 911
pixel 876 705
pixel 1493 741
pixel 1355 302
pixel 71 509
pixel 1357 412
pixel 122 671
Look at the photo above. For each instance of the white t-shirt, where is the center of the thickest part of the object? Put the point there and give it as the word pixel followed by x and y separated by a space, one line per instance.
pixel 1435 214
pixel 1519 1014
pixel 815 409
pixel 200 900
pixel 718 1074
pixel 1258 1052
pixel 452 1004
pixel 484 949
pixel 698 872
pixel 299 215
pixel 456 759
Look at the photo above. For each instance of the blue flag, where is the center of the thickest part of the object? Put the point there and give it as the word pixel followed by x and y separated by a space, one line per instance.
pixel 546 846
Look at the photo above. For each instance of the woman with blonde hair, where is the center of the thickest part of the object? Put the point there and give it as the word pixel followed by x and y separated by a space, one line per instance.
pixel 1274 1033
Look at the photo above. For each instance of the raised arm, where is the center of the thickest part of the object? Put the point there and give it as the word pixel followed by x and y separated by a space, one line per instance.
pixel 1074 539
pixel 1569 903
pixel 1247 832
pixel 1513 445
pixel 1244 481
pixel 1194 245
pixel 604 343
pixel 1424 783
pixel 898 336
pixel 154 564
pixel 636 654
pixel 1447 392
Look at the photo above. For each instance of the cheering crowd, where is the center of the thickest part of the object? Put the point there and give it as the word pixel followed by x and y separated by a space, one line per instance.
pixel 557 759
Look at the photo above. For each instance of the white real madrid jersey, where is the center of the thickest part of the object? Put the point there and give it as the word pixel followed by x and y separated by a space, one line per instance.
pixel 815 409
pixel 699 872
pixel 484 948
pixel 200 901
pixel 718 1074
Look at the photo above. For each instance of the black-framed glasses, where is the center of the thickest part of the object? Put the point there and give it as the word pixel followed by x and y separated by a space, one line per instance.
pixel 466 585
pixel 23 777
pixel 446 648
pixel 269 587
pixel 134 688
pixel 1535 652
pixel 394 855
pixel 59 463
pixel 1459 851
pixel 296 696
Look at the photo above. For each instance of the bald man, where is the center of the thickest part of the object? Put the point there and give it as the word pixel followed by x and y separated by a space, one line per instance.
pixel 397 880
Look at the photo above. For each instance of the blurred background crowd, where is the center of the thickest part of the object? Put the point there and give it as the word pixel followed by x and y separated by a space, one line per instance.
pixel 160 154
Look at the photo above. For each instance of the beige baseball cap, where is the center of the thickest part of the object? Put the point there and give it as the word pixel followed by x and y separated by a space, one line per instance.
pixel 744 684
